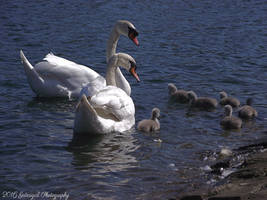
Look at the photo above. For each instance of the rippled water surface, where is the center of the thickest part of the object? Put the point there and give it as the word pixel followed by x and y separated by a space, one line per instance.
pixel 205 46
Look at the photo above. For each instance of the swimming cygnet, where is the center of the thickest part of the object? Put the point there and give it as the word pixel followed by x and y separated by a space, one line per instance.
pixel 225 100
pixel 150 125
pixel 204 103
pixel 247 111
pixel 229 121
pixel 179 96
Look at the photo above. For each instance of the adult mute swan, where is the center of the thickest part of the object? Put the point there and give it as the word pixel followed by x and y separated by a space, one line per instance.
pixel 59 77
pixel 110 109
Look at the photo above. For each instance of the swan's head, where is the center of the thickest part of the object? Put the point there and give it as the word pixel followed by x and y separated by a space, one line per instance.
pixel 127 29
pixel 172 88
pixel 155 113
pixel 228 110
pixel 126 61
pixel 223 95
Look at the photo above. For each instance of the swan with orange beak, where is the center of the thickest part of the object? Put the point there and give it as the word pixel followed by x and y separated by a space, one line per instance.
pixel 110 109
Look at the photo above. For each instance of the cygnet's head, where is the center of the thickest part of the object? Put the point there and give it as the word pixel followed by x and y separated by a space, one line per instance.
pixel 223 94
pixel 127 29
pixel 155 113
pixel 228 110
pixel 172 88
pixel 249 101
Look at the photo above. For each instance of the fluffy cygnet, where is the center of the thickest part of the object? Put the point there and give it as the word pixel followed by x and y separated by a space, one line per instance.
pixel 150 125
pixel 179 96
pixel 225 100
pixel 204 103
pixel 247 111
pixel 229 121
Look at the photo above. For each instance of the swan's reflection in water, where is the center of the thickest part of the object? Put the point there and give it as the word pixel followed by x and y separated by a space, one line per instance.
pixel 104 154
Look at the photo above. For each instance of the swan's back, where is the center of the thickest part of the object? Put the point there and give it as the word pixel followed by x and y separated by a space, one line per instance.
pixel 231 122
pixel 234 102
pixel 180 96
pixel 63 76
pixel 148 125
pixel 205 103
pixel 247 112
pixel 54 66
pixel 114 100
pixel 109 110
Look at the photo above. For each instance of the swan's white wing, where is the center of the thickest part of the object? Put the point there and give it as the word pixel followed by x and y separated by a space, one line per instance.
pixel 56 60
pixel 63 68
pixel 115 101
pixel 67 74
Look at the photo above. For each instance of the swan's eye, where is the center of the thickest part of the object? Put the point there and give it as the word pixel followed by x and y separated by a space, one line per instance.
pixel 132 33
pixel 133 71
pixel 133 65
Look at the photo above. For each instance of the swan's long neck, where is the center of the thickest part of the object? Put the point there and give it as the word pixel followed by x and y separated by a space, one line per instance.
pixel 111 73
pixel 122 83
pixel 112 43
pixel 229 112
pixel 120 80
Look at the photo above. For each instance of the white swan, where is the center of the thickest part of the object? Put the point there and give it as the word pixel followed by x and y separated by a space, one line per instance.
pixel 110 109
pixel 59 77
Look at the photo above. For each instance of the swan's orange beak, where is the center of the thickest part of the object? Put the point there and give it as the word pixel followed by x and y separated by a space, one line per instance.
pixel 135 41
pixel 133 37
pixel 133 72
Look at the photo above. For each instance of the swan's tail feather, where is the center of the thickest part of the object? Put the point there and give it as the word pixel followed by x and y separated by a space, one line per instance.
pixel 85 105
pixel 86 119
pixel 33 77
pixel 25 61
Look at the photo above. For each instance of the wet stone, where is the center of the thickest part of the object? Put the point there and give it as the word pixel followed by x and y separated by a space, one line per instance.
pixel 245 174
pixel 224 198
pixel 192 197
pixel 217 168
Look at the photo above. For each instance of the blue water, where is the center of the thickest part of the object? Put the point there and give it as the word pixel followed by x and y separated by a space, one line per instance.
pixel 205 46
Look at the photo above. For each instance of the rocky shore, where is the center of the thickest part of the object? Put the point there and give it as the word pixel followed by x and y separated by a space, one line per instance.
pixel 247 182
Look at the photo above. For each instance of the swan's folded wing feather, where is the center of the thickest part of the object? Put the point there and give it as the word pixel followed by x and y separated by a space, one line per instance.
pixel 93 87
pixel 66 72
pixel 56 60
pixel 114 101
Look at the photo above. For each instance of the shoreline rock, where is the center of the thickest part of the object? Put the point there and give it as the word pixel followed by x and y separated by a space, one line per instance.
pixel 247 182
